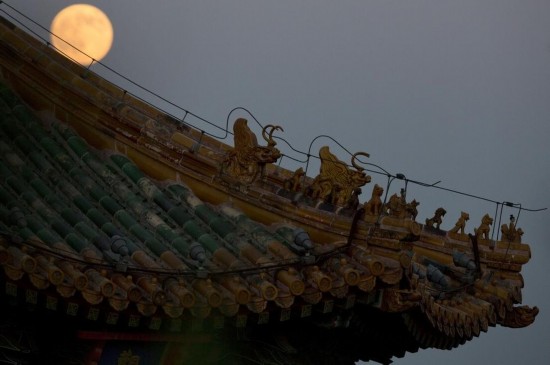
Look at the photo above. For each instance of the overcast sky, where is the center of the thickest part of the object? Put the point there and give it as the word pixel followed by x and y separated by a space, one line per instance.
pixel 450 90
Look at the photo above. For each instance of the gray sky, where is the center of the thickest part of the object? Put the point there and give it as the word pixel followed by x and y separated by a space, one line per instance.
pixel 457 91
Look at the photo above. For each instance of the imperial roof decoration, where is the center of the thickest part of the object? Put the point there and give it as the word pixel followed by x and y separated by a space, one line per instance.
pixel 115 212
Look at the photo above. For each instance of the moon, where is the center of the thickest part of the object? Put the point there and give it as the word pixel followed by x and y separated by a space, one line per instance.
pixel 82 32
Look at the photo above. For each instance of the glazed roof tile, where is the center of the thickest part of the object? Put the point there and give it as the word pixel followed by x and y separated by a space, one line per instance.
pixel 95 221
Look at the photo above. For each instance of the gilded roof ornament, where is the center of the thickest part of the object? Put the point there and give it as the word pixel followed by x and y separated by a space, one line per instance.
pixel 520 317
pixel 509 231
pixel 460 224
pixel 337 182
pixel 437 219
pixel 245 163
pixel 484 228
pixel 398 207
pixel 294 183
pixel 374 205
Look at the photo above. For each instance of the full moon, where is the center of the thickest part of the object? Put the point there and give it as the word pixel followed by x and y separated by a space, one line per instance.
pixel 84 32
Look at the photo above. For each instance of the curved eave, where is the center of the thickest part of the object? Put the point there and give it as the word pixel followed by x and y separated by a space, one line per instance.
pixel 379 252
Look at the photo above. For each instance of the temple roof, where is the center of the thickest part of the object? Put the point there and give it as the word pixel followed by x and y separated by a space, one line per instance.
pixel 85 232
pixel 98 212
pixel 113 211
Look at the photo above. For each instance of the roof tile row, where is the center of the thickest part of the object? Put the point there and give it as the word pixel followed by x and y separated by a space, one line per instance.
pixel 95 224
